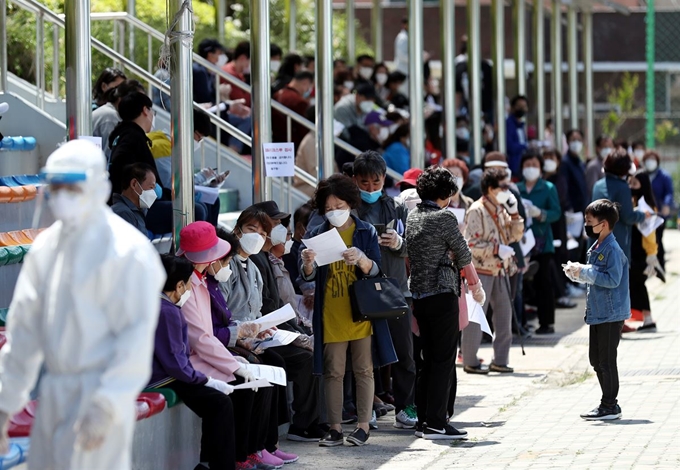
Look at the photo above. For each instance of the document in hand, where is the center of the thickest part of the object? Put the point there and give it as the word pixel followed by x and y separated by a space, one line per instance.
pixel 649 225
pixel 574 223
pixel 527 242
pixel 328 247
pixel 459 213
pixel 280 338
pixel 275 318
pixel 476 314
pixel 208 195
pixel 275 375
pixel 259 383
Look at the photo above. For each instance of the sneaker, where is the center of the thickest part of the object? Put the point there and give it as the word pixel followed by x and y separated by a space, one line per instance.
pixel 311 434
pixel 373 423
pixel 331 439
pixel 268 459
pixel 358 437
pixel 380 409
pixel 406 418
pixel 502 369
pixel 545 330
pixel 573 291
pixel 449 432
pixel 256 463
pixel 349 418
pixel 602 413
pixel 648 328
pixel 564 302
pixel 420 427
pixel 480 369
pixel 287 457
pixel 247 465
pixel 627 329
pixel 389 406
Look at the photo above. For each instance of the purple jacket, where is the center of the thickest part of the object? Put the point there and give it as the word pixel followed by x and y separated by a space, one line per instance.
pixel 223 328
pixel 662 185
pixel 171 349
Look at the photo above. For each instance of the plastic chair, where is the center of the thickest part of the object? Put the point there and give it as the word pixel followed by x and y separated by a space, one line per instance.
pixel 27 179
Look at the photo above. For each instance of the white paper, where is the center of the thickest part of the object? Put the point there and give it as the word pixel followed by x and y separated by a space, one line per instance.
pixel 328 247
pixel 280 338
pixel 572 244
pixel 557 243
pixel 208 195
pixel 528 204
pixel 217 107
pixel 276 317
pixel 476 314
pixel 528 242
pixel 574 223
pixel 275 375
pixel 279 159
pixel 97 141
pixel 459 213
pixel 648 226
pixel 338 127
pixel 259 383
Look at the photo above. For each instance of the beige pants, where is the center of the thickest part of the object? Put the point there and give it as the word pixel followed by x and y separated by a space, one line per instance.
pixel 335 357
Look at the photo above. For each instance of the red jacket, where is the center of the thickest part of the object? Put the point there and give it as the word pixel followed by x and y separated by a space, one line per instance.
pixel 292 99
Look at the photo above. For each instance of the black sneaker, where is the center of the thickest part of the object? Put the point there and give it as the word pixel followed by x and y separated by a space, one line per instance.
pixel 648 328
pixel 420 427
pixel 545 330
pixel 312 434
pixel 602 413
pixel 449 432
pixel 331 439
pixel 358 437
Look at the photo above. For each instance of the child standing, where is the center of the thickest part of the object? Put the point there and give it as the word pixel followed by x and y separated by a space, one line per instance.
pixel 607 301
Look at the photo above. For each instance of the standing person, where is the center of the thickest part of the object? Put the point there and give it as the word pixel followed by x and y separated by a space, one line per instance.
pixel 294 96
pixel 401 48
pixel 662 185
pixel 574 171
pixel 516 137
pixel 607 302
pixel 544 210
pixel 335 332
pixel 437 252
pixel 492 223
pixel 604 145
pixel 71 282
pixel 379 208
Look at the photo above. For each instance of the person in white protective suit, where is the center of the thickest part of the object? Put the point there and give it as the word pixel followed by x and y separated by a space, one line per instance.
pixel 86 305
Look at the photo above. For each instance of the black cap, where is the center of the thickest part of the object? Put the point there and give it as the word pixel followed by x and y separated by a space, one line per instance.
pixel 272 210
pixel 366 90
pixel 210 45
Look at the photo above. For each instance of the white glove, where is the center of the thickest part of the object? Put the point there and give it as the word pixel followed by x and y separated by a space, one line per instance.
pixel 505 252
pixel 573 271
pixel 652 266
pixel 220 386
pixel 4 438
pixel 91 429
pixel 353 256
pixel 391 239
pixel 241 359
pixel 248 330
pixel 478 294
pixel 534 212
pixel 246 375
pixel 308 256
pixel 511 204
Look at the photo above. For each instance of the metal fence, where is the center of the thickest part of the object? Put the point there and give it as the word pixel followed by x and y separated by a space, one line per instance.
pixel 663 125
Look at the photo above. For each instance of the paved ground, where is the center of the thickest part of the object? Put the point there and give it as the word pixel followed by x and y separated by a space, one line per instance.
pixel 531 419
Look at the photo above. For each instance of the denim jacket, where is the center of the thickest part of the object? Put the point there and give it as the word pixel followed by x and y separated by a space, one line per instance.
pixel 607 298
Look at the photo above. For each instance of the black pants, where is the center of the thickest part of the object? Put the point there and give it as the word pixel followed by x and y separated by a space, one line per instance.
pixel 257 428
pixel 215 409
pixel 639 297
pixel 543 287
pixel 437 317
pixel 299 365
pixel 661 252
pixel 604 339
pixel 404 371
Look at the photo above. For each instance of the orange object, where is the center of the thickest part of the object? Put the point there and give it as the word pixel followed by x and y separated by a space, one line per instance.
pixel 19 237
pixel 636 315
pixel 5 194
pixel 17 193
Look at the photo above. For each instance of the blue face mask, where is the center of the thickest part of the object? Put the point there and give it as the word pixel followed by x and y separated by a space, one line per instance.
pixel 158 190
pixel 370 198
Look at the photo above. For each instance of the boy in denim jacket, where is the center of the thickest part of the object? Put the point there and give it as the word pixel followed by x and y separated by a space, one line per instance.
pixel 607 301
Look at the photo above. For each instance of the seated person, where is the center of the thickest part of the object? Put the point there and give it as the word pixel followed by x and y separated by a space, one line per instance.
pixel 205 396
pixel 137 197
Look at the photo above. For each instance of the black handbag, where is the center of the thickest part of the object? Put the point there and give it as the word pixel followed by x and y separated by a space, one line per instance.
pixel 377 298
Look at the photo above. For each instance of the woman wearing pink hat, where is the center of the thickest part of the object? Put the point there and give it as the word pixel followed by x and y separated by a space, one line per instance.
pixel 257 431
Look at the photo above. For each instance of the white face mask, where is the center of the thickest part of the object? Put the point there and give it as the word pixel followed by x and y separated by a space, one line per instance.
pixel 639 153
pixel 463 133
pixel 651 165
pixel 365 72
pixel 503 196
pixel 531 173
pixel 287 247
pixel 275 66
pixel 223 274
pixel 605 151
pixel 384 134
pixel 278 235
pixel 251 243
pixel 338 218
pixel 381 78
pixel 349 85
pixel 183 299
pixel 393 128
pixel 221 60
pixel 459 182
pixel 147 198
pixel 576 146
pixel 71 208
pixel 366 106
pixel 550 166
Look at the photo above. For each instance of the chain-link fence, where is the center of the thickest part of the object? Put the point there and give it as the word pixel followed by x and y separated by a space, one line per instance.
pixel 666 118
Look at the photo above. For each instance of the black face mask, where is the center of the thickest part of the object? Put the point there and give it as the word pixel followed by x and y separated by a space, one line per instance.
pixel 590 232
pixel 520 113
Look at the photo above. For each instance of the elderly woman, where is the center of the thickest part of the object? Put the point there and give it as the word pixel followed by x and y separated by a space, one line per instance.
pixel 460 171
pixel 492 224
pixel 437 252
pixel 334 329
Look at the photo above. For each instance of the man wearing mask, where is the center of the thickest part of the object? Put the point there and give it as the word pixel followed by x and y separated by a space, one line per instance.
pixel 574 171
pixel 138 196
pixel 204 81
pixel 364 69
pixel 516 134
pixel 604 145
pixel 85 309
pixel 352 109
pixel 294 96
pixel 389 217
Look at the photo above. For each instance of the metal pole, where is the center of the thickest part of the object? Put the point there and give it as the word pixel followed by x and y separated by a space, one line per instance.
pixel 498 34
pixel 78 68
pixel 447 10
pixel 649 77
pixel 416 82
pixel 292 26
pixel 132 11
pixel 520 14
pixel 475 76
pixel 3 46
pixel 182 120
pixel 55 61
pixel 351 31
pixel 261 90
pixel 539 65
pixel 324 88
pixel 587 17
pixel 572 50
pixel 377 28
pixel 556 57
pixel 221 15
pixel 40 59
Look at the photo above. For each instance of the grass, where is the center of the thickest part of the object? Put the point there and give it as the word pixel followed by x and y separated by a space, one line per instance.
pixel 574 378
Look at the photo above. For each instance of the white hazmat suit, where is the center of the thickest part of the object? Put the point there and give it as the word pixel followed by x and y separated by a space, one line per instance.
pixel 86 305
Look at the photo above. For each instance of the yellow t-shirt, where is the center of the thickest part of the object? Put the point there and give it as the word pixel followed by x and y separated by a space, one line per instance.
pixel 338 325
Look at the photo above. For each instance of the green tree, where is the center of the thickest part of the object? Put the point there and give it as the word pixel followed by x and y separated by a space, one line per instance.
pixel 622 99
